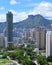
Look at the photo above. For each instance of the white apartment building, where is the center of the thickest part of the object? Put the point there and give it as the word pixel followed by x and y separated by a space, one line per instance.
pixel 48 43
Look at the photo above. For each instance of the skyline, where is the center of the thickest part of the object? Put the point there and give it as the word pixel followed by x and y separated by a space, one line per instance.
pixel 22 8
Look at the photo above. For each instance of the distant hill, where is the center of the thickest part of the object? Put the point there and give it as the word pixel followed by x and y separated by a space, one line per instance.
pixel 32 21
pixel 2 26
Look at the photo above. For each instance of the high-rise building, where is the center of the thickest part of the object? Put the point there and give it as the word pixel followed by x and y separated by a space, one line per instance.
pixel 48 43
pixel 27 35
pixel 9 17
pixel 41 39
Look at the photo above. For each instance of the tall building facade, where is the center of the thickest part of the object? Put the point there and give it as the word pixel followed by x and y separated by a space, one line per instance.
pixel 2 41
pixel 39 37
pixel 42 39
pixel 48 43
pixel 9 17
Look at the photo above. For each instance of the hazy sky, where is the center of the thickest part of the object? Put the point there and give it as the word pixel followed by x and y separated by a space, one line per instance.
pixel 22 8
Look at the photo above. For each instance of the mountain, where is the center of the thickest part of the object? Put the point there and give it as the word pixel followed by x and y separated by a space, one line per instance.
pixel 33 21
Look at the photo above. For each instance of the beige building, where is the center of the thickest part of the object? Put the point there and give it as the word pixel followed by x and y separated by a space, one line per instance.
pixel 38 36
pixel 27 35
pixel 33 34
pixel 42 39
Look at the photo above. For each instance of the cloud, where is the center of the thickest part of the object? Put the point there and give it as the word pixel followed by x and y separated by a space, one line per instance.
pixel 13 2
pixel 18 16
pixel 43 8
pixel 2 17
pixel 2 8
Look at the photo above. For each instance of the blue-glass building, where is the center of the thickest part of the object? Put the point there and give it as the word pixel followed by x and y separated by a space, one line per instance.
pixel 9 17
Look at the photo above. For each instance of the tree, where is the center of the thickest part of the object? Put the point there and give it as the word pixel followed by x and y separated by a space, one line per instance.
pixel 49 58
pixel 5 55
pixel 27 62
pixel 42 60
